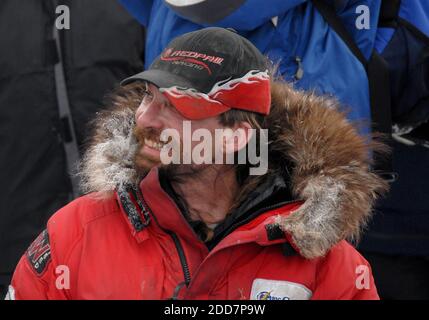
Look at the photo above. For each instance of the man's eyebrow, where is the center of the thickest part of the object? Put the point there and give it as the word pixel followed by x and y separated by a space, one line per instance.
pixel 169 104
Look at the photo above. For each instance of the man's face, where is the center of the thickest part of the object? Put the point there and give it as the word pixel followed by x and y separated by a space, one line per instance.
pixel 156 114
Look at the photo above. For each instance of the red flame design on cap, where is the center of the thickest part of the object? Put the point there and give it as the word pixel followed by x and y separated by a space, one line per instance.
pixel 250 92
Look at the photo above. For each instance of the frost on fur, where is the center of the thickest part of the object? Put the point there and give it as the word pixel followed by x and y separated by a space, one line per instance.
pixel 315 226
pixel 109 161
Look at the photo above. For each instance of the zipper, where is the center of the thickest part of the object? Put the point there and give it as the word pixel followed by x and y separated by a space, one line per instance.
pixel 250 217
pixel 178 245
pixel 182 257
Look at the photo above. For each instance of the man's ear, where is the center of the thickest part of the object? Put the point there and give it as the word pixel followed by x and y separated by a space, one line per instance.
pixel 237 137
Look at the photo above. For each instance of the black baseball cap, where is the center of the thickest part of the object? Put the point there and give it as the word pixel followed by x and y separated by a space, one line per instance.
pixel 207 72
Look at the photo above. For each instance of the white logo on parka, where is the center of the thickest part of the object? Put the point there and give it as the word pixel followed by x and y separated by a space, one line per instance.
pixel 265 289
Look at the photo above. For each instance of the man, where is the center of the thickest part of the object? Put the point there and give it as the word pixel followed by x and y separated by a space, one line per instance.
pixel 211 230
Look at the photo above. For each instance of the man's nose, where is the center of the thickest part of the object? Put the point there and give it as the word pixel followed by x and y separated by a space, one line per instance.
pixel 148 115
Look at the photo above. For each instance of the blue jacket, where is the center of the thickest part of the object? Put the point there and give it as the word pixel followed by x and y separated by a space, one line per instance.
pixel 401 223
pixel 297 31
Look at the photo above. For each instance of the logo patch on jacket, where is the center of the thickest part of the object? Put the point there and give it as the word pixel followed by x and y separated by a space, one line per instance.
pixel 265 289
pixel 39 253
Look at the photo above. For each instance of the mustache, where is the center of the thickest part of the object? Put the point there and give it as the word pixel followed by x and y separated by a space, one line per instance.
pixel 146 133
pixel 143 162
pixel 141 134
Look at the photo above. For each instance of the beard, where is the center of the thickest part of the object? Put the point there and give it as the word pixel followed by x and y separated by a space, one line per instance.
pixel 179 173
pixel 143 161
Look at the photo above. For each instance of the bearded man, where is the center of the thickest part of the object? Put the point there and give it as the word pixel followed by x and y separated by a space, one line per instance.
pixel 211 229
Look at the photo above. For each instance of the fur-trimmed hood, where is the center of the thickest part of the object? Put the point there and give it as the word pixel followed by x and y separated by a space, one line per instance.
pixel 328 161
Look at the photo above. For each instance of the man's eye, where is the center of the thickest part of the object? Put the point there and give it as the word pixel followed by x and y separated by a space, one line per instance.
pixel 147 97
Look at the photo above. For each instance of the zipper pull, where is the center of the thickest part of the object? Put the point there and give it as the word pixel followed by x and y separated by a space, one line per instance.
pixel 177 290
pixel 300 72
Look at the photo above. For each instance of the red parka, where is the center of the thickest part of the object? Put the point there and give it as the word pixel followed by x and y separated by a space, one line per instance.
pixel 106 258
pixel 137 244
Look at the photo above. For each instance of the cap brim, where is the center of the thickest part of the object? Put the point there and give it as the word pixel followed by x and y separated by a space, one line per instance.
pixel 160 78
pixel 190 107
